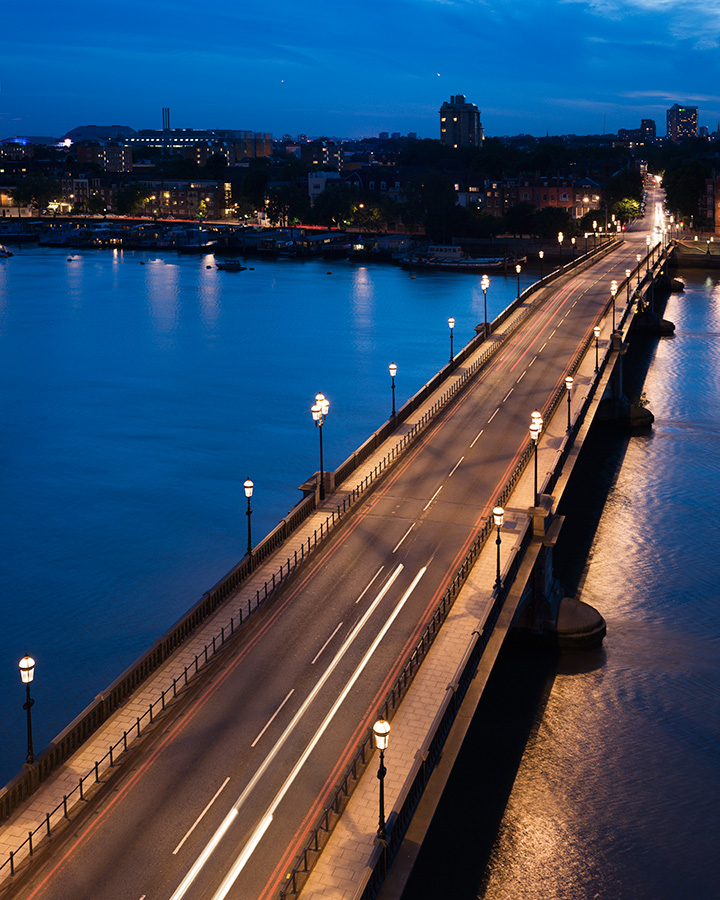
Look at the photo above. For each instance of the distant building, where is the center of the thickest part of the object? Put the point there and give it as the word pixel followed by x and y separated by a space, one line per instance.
pixel 647 129
pixel 100 133
pixel 109 157
pixel 460 123
pixel 645 134
pixel 682 122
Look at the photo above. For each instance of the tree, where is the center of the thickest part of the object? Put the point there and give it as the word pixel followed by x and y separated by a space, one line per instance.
pixel 684 185
pixel 287 204
pixel 216 165
pixel 36 191
pixel 129 200
pixel 520 219
pixel 335 205
pixel 551 220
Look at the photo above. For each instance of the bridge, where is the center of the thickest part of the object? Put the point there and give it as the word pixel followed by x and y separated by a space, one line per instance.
pixel 235 758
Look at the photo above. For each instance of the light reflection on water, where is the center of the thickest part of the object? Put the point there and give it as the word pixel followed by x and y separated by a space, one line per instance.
pixel 617 792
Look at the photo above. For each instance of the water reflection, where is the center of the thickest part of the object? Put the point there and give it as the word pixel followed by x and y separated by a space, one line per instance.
pixel 163 296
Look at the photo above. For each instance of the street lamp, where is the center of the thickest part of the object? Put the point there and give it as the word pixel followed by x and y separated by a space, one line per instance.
pixel 451 323
pixel 485 284
pixel 27 672
pixel 248 493
pixel 596 332
pixel 393 373
pixel 518 269
pixel 568 385
pixel 647 260
pixel 572 241
pixel 319 413
pixel 535 429
pixel 381 736
pixel 498 517
pixel 613 291
pixel 560 240
pixel 627 280
pixel 594 235
pixel 637 258
pixel 541 254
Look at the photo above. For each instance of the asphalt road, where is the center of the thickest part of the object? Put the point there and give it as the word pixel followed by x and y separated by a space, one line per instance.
pixel 219 799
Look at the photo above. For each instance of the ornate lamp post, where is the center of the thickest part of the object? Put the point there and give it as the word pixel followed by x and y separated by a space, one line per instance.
pixel 594 235
pixel 451 323
pixel 541 254
pixel 498 518
pixel 627 280
pixel 560 240
pixel 27 673
pixel 572 241
pixel 248 493
pixel 638 258
pixel 613 291
pixel 536 423
pixel 485 284
pixel 381 735
pixel 596 332
pixel 393 373
pixel 518 269
pixel 568 385
pixel 319 413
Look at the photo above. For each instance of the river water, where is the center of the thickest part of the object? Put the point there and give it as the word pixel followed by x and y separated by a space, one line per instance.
pixel 138 392
pixel 596 775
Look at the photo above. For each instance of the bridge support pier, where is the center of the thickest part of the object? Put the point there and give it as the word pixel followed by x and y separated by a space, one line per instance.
pixel 548 617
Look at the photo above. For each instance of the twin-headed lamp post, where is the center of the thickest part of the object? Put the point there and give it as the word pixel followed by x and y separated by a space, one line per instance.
pixel 319 413
pixel 248 493
pixel 27 672
pixel 393 373
pixel 381 736
pixel 498 518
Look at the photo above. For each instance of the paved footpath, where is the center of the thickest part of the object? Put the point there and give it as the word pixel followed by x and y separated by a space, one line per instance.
pixel 352 841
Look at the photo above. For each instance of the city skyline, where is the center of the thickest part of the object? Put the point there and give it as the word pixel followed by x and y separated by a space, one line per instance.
pixel 536 68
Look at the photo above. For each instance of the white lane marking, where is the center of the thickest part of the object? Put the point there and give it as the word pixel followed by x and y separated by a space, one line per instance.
pixel 521 377
pixel 405 535
pixel 493 415
pixel 476 438
pixel 372 581
pixel 508 394
pixel 272 718
pixel 552 333
pixel 319 653
pixel 426 507
pixel 543 347
pixel 455 466
pixel 532 361
pixel 241 861
pixel 199 818
pixel 197 866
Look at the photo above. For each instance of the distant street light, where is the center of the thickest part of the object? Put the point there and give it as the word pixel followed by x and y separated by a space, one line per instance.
pixel 572 241
pixel 498 517
pixel 594 235
pixel 596 332
pixel 647 260
pixel 319 413
pixel 568 385
pixel 381 735
pixel 628 273
pixel 518 269
pixel 451 323
pixel 638 258
pixel 485 284
pixel 541 254
pixel 560 241
pixel 27 673
pixel 248 493
pixel 613 291
pixel 393 373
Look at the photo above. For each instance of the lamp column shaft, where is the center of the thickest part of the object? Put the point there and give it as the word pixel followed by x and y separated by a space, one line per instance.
pixel 322 471
pixel 28 706
pixel 249 516
pixel 393 395
pixel 381 778
pixel 485 304
pixel 536 487
pixel 569 422
pixel 597 358
pixel 452 356
pixel 498 582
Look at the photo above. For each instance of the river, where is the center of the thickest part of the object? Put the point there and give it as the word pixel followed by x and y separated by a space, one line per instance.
pixel 139 391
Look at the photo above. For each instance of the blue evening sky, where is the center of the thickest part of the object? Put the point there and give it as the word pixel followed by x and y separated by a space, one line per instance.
pixel 351 69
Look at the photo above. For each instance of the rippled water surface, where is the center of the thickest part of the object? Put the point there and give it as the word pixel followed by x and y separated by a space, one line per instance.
pixel 598 776
pixel 138 392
